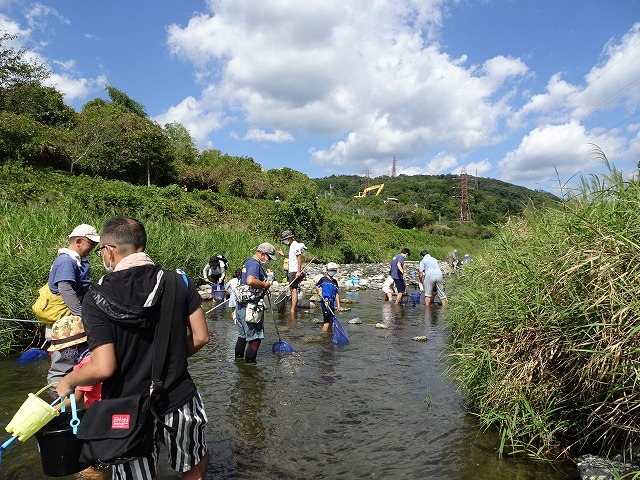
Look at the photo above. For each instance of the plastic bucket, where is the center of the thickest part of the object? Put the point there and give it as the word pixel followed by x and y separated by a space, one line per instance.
pixel 59 447
pixel 415 298
pixel 32 416
pixel 218 294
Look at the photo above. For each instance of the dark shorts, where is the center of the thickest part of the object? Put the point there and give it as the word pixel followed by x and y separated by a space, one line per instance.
pixel 401 286
pixel 293 282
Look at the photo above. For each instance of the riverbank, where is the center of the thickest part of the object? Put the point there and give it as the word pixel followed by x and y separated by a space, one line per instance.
pixel 350 277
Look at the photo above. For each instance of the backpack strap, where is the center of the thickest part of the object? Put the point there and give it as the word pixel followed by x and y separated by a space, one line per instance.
pixel 186 282
pixel 161 341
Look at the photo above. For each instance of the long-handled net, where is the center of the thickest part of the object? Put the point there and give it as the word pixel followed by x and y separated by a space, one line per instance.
pixel 281 301
pixel 338 334
pixel 280 346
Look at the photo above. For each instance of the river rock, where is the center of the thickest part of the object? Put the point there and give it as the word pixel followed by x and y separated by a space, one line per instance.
pixel 591 467
pixel 355 321
pixel 420 338
pixel 381 325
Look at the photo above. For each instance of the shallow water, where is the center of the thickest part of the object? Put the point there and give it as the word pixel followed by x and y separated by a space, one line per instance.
pixel 376 408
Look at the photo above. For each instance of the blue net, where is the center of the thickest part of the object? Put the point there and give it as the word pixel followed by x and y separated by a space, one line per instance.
pixel 338 335
pixel 282 347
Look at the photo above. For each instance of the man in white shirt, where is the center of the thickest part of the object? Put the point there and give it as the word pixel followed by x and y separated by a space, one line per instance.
pixel 294 274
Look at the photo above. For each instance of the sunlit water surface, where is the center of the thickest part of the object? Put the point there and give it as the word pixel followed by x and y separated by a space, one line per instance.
pixel 377 408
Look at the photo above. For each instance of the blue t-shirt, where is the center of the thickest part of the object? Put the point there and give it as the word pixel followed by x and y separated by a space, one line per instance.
pixel 66 269
pixel 429 266
pixel 252 267
pixel 329 288
pixel 399 258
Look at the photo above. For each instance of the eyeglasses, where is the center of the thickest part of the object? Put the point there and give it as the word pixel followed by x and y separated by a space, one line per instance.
pixel 99 250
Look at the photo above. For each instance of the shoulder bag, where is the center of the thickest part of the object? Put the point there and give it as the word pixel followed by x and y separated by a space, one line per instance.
pixel 117 430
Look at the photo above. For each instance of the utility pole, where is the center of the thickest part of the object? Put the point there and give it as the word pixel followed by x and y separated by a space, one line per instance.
pixel 464 213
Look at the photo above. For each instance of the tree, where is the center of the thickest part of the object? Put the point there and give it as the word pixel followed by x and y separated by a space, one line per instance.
pixel 14 68
pixel 301 214
pixel 182 143
pixel 96 126
pixel 44 104
pixel 123 100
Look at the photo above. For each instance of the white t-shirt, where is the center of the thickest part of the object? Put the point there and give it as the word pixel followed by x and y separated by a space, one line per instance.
pixel 295 249
pixel 231 286
pixel 387 286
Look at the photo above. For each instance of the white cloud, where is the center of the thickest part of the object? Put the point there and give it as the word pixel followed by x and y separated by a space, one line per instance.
pixel 617 80
pixel 355 70
pixel 199 117
pixel 78 88
pixel 12 28
pixel 38 15
pixel 278 136
pixel 559 150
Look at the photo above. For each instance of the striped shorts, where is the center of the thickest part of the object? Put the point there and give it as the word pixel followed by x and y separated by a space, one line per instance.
pixel 186 444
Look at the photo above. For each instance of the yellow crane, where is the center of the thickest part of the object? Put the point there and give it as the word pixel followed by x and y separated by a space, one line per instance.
pixel 370 189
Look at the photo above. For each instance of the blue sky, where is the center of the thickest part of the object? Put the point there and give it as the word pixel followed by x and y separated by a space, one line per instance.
pixel 513 90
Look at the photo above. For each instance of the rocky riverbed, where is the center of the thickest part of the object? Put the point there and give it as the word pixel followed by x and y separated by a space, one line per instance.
pixel 362 276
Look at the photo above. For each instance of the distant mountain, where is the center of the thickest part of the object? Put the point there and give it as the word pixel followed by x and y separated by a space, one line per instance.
pixel 489 201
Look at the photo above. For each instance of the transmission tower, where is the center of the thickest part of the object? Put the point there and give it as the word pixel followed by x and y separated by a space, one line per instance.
pixel 393 168
pixel 367 178
pixel 465 213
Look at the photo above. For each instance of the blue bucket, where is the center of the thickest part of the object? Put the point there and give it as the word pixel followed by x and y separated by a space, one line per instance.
pixel 415 298
pixel 218 293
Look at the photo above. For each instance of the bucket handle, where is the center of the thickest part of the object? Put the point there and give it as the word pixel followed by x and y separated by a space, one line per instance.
pixel 52 404
pixel 75 421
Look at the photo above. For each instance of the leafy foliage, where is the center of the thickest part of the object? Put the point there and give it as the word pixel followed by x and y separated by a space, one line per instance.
pixel 424 199
pixel 545 326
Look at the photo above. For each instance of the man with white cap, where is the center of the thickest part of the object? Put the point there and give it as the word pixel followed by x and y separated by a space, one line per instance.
pixel 250 334
pixel 294 270
pixel 70 278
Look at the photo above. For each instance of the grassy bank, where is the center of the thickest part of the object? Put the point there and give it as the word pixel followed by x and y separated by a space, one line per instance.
pixel 545 325
pixel 31 235
pixel 39 208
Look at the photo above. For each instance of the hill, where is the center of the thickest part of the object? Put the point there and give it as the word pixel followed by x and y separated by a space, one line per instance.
pixel 490 201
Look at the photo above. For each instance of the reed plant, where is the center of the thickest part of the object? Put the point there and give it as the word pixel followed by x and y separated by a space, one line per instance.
pixel 545 325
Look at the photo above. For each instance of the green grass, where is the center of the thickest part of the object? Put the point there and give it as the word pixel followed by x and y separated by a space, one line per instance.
pixel 545 325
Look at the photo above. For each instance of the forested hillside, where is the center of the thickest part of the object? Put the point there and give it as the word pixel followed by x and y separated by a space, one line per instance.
pixel 116 140
pixel 490 200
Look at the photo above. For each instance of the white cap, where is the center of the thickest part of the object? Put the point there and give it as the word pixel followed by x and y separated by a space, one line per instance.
pixel 86 231
pixel 332 266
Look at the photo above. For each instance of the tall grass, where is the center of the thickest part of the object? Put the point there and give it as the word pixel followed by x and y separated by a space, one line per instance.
pixel 545 325
pixel 31 235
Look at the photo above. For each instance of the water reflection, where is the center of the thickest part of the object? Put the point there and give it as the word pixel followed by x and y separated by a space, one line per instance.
pixel 246 409
pixel 376 408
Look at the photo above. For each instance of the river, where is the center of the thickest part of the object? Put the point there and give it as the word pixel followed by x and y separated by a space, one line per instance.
pixel 377 408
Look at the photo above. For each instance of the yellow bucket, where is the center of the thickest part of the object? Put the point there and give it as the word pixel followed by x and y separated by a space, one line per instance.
pixel 34 414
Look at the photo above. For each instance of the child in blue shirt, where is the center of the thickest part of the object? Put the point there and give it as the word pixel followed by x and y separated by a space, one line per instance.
pixel 327 288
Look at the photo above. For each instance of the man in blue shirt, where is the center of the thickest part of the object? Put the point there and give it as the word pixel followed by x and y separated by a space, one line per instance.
pixel 251 333
pixel 430 274
pixel 398 273
pixel 70 277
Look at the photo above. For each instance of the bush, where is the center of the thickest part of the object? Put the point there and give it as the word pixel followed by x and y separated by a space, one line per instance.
pixel 545 325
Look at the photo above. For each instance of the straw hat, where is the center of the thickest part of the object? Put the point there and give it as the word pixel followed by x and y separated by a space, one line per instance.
pixel 67 332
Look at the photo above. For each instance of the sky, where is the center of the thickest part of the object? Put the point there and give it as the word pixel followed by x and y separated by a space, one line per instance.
pixel 515 90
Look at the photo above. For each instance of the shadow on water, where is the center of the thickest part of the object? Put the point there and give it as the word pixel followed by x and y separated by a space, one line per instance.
pixel 376 408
